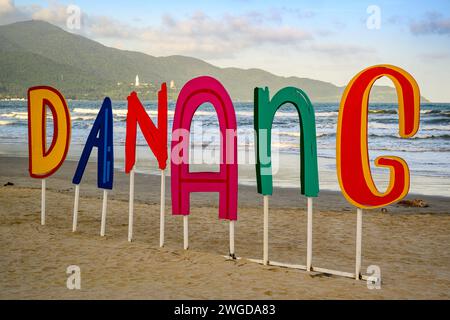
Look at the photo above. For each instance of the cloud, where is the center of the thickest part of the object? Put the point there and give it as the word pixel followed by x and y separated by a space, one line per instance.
pixel 9 13
pixel 432 23
pixel 197 34
pixel 7 7
pixel 105 27
pixel 55 13
pixel 244 30
pixel 342 50
pixel 202 35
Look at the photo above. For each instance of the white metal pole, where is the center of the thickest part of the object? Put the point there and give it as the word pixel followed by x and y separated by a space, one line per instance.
pixel 309 235
pixel 75 208
pixel 103 225
pixel 186 232
pixel 43 202
pixel 358 243
pixel 266 230
pixel 163 208
pixel 131 207
pixel 232 255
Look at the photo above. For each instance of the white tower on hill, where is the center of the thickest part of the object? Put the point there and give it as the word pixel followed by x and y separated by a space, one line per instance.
pixel 136 83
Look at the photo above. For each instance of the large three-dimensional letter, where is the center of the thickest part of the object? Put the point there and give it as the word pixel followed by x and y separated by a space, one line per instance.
pixel 101 136
pixel 352 156
pixel 196 92
pixel 156 137
pixel 44 162
pixel 265 110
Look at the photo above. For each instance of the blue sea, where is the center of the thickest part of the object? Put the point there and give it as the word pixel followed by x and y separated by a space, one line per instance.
pixel 427 153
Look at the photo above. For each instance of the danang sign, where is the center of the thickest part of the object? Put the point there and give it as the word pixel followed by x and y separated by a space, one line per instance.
pixel 352 159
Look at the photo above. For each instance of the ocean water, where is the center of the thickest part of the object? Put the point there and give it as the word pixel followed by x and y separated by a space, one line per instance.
pixel 427 153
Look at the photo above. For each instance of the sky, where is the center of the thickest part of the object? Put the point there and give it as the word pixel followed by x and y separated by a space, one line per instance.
pixel 325 40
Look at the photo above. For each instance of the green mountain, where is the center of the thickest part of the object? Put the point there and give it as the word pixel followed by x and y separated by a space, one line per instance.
pixel 38 53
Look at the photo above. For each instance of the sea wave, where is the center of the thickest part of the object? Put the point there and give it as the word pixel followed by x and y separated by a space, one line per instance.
pixel 245 113
pixel 6 122
pixel 327 114
pixel 423 127
pixel 416 137
pixel 121 112
pixel 285 145
pixel 83 118
pixel 444 136
pixel 286 133
pixel 297 134
pixel 377 111
pixel 17 115
pixel 423 111
pixel 435 128
pixel 250 113
pixel 385 111
pixel 439 112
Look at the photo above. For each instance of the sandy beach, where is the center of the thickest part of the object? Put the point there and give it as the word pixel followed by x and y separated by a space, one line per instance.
pixel 410 245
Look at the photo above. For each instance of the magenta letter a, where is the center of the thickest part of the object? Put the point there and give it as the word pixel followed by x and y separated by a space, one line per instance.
pixel 196 92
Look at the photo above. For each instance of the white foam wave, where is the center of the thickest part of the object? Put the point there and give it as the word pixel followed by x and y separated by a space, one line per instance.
pixel 394 126
pixel 285 145
pixel 86 111
pixel 297 134
pixel 287 133
pixel 120 113
pixel 327 114
pixel 377 125
pixel 17 115
pixel 83 118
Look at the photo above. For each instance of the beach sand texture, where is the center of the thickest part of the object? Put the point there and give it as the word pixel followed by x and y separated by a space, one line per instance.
pixel 410 245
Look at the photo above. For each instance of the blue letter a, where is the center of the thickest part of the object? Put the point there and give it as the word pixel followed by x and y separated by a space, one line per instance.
pixel 101 136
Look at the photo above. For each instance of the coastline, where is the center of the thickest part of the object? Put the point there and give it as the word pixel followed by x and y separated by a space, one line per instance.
pixel 15 169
